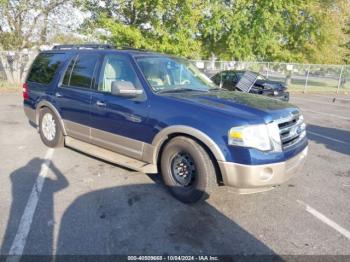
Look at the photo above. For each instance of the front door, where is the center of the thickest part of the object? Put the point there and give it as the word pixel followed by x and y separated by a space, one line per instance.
pixel 119 123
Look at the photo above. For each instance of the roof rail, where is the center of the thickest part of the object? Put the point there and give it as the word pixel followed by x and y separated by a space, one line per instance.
pixel 83 46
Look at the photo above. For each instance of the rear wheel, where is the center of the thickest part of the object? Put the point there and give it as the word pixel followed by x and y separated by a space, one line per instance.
pixel 50 129
pixel 187 170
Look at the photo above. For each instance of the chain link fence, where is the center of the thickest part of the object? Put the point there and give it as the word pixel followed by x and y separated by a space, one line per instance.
pixel 14 67
pixel 305 78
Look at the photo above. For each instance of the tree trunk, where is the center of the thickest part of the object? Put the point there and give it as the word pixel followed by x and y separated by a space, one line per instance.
pixel 16 65
pixel 43 33
pixel 6 67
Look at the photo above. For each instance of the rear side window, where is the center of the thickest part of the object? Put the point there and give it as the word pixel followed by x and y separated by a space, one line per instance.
pixel 44 67
pixel 81 71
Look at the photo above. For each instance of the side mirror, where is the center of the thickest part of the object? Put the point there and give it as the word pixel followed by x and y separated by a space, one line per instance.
pixel 125 89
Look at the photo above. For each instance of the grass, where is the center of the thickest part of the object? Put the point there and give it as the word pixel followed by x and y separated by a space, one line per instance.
pixel 316 86
pixel 318 89
pixel 9 87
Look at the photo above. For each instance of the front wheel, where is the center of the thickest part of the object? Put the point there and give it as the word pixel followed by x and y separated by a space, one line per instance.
pixel 187 170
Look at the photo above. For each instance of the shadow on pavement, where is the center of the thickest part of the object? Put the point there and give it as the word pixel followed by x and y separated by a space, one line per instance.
pixel 40 239
pixel 334 133
pixel 145 219
pixel 130 219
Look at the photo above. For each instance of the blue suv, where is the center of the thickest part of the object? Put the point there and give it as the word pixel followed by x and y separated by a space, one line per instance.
pixel 156 113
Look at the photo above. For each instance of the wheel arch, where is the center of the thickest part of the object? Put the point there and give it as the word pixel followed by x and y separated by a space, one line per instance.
pixel 45 103
pixel 163 137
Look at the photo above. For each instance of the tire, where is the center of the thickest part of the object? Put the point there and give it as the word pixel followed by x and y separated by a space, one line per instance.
pixel 195 179
pixel 50 129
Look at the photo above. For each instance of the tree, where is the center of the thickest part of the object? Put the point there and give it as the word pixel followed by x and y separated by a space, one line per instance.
pixel 308 31
pixel 328 46
pixel 24 23
pixel 29 23
pixel 166 26
pixel 15 65
pixel 276 30
pixel 347 44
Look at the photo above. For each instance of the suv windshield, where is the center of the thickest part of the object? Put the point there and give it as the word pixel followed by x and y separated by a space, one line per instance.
pixel 166 74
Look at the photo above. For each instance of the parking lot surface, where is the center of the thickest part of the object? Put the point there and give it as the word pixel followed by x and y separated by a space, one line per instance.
pixel 64 202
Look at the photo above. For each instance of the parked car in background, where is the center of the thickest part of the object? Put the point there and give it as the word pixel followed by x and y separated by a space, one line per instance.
pixel 156 113
pixel 229 80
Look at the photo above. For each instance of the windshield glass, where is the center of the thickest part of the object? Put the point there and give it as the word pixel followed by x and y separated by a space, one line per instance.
pixel 260 77
pixel 168 74
pixel 239 75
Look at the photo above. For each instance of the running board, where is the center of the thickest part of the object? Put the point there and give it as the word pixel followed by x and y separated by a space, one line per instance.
pixel 110 156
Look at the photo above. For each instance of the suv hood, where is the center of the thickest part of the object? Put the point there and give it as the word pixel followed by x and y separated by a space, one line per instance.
pixel 244 106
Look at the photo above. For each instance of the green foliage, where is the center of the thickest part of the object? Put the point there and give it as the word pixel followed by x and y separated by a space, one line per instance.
pixel 9 40
pixel 279 30
pixel 165 26
pixel 276 30
pixel 25 23
pixel 308 31
pixel 347 44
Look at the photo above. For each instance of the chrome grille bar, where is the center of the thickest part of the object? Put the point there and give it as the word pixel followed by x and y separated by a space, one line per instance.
pixel 292 129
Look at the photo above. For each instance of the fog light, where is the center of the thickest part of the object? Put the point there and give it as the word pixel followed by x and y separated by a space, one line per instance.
pixel 266 174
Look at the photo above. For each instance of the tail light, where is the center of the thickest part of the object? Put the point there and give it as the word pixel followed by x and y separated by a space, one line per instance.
pixel 25 92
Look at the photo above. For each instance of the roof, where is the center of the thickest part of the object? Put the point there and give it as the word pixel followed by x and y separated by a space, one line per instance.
pixel 104 48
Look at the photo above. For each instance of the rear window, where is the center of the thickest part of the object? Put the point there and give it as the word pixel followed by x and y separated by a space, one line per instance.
pixel 83 71
pixel 44 67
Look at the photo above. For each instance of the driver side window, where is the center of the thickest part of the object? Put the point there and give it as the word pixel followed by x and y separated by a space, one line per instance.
pixel 117 68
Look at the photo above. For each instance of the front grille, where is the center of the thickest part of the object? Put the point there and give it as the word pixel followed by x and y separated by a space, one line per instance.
pixel 292 129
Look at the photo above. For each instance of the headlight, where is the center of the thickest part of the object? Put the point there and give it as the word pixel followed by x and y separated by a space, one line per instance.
pixel 262 137
pixel 275 93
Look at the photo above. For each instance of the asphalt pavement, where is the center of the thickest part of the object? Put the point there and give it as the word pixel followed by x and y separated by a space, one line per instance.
pixel 64 202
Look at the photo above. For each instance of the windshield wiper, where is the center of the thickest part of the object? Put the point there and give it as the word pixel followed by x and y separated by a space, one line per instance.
pixel 182 89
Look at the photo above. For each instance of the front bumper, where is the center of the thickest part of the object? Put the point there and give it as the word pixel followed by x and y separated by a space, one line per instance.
pixel 283 96
pixel 257 178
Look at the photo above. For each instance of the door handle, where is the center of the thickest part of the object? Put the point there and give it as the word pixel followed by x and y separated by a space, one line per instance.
pixel 100 104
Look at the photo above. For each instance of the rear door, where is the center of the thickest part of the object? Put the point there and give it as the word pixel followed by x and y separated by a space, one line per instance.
pixel 74 94
pixel 43 76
